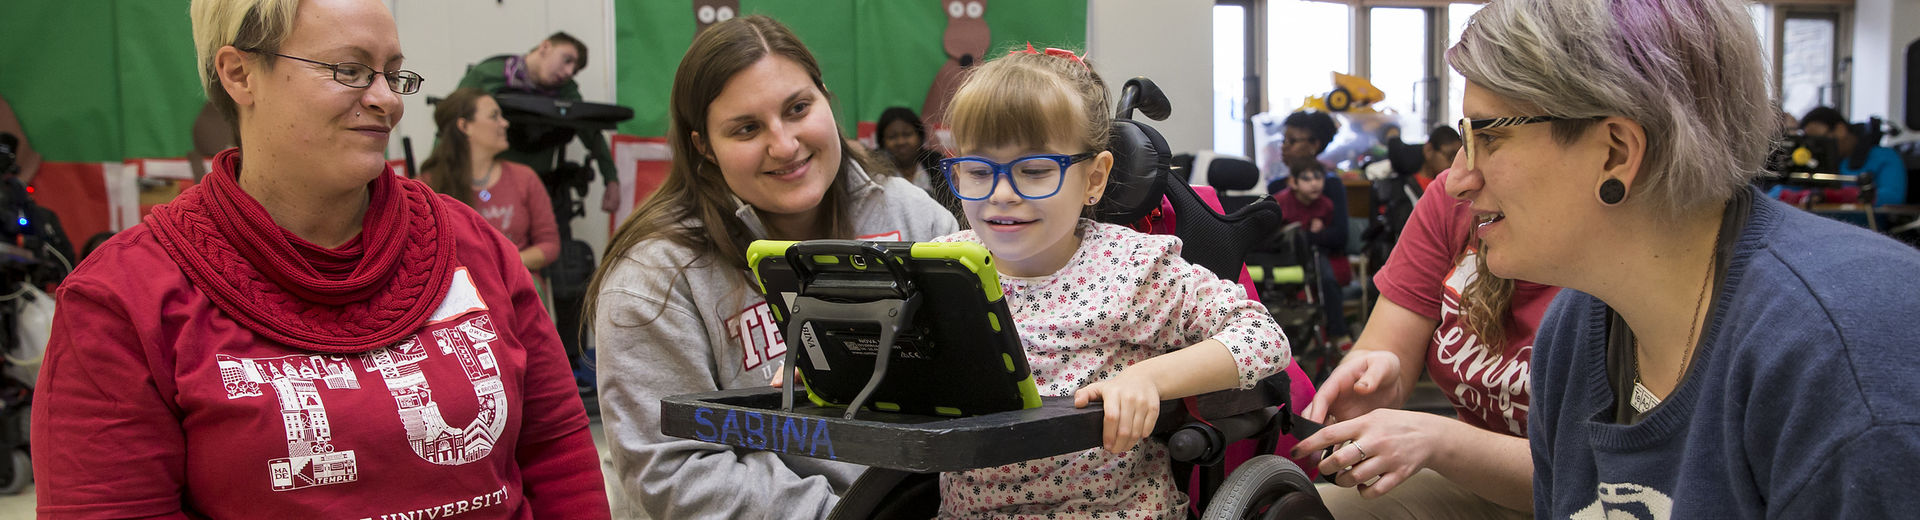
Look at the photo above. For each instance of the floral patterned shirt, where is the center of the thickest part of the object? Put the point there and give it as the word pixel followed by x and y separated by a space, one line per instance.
pixel 1124 297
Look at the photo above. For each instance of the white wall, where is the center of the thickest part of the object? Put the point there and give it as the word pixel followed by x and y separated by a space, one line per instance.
pixel 442 37
pixel 1882 29
pixel 1169 42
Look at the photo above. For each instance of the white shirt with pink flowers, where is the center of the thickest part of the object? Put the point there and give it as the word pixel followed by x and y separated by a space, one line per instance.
pixel 1124 297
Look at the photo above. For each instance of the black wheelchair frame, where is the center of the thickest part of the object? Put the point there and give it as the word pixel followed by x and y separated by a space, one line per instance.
pixel 906 451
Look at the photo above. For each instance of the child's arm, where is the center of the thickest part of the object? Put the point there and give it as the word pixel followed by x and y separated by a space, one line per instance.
pixel 1178 303
pixel 1132 397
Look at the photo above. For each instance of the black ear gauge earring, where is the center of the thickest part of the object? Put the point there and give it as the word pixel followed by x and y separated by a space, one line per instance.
pixel 1612 191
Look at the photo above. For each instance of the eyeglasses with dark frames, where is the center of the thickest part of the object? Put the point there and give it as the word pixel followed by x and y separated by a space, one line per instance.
pixel 360 75
pixel 1033 177
pixel 1468 126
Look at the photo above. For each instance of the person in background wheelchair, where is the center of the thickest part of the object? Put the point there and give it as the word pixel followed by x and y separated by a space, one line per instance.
pixel 756 154
pixel 1106 314
pixel 1441 314
pixel 1715 353
pixel 1305 135
pixel 1858 155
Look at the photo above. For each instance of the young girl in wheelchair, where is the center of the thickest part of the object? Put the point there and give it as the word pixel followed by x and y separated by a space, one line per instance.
pixel 1106 314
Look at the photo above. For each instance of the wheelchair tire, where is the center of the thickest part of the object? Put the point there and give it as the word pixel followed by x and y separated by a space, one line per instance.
pixel 884 494
pixel 1267 486
pixel 20 425
pixel 20 476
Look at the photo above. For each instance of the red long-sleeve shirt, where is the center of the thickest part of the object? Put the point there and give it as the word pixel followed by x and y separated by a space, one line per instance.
pixel 153 402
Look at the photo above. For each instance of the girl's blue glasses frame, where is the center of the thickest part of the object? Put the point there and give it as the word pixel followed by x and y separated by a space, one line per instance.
pixel 1006 170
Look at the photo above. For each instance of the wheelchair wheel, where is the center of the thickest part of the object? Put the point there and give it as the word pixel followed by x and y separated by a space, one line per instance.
pixel 1267 486
pixel 884 493
pixel 19 474
pixel 20 425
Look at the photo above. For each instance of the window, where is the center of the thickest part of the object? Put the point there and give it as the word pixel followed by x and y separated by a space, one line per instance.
pixel 1398 65
pixel 1807 64
pixel 1306 43
pixel 1457 17
pixel 1229 79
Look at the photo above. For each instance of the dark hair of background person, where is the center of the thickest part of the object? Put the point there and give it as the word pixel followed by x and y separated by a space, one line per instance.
pixel 1442 135
pixel 562 37
pixel 1826 116
pixel 447 167
pixel 1317 124
pixel 925 158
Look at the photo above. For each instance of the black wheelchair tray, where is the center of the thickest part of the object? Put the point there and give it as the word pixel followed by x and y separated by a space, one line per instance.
pixel 752 418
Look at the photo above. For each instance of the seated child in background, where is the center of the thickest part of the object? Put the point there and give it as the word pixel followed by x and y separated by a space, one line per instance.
pixel 1105 313
pixel 1302 203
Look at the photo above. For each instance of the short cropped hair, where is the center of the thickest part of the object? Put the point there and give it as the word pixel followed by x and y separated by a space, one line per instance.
pixel 252 25
pixel 1442 135
pixel 1826 116
pixel 1317 124
pixel 563 37
pixel 1690 72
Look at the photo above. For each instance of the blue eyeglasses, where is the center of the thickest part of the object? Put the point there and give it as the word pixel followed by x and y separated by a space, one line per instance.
pixel 1032 177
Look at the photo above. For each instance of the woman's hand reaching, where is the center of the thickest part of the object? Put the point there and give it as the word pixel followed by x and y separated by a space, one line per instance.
pixel 1368 380
pixel 1381 449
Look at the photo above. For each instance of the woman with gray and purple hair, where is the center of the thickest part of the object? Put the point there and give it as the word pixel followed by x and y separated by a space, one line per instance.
pixel 1716 354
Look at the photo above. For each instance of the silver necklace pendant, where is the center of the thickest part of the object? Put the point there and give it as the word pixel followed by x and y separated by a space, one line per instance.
pixel 1643 398
pixel 486 196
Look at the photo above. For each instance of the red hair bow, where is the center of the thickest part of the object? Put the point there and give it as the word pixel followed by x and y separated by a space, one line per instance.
pixel 1057 53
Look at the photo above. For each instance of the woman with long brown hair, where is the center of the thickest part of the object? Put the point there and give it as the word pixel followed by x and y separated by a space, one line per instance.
pixel 756 154
pixel 508 194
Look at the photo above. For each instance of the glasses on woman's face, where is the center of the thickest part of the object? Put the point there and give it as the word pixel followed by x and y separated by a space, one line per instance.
pixel 1032 177
pixel 1468 126
pixel 360 75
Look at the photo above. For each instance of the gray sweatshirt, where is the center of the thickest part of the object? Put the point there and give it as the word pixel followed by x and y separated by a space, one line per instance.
pixel 662 330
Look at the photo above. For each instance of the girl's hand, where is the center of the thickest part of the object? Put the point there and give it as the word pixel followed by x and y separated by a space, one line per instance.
pixel 1132 405
pixel 1388 445
pixel 1368 380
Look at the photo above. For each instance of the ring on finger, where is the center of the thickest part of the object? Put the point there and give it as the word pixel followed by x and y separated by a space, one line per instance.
pixel 1356 447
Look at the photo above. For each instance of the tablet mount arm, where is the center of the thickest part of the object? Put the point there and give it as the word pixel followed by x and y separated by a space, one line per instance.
pixel 856 297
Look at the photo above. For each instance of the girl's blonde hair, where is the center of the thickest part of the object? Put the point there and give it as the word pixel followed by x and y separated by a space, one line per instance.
pixel 1025 99
pixel 249 25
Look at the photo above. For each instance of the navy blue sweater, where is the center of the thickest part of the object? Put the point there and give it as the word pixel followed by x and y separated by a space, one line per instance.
pixel 1802 400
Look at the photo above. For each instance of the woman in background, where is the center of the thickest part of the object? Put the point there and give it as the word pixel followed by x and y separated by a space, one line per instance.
pixel 903 147
pixel 508 194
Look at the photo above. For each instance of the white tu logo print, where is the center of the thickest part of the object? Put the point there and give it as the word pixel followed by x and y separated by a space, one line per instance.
pixel 311 459
pixel 427 430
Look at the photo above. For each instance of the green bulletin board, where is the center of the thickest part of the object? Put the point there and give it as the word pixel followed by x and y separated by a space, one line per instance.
pixel 101 80
pixel 873 53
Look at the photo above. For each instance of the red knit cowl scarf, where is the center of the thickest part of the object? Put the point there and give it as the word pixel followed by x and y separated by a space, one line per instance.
pixel 367 294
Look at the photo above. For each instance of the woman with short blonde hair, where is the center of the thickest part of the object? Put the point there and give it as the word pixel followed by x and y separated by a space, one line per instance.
pixel 306 334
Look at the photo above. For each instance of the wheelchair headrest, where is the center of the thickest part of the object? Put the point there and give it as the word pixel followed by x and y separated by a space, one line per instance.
pixel 1230 173
pixel 1140 159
